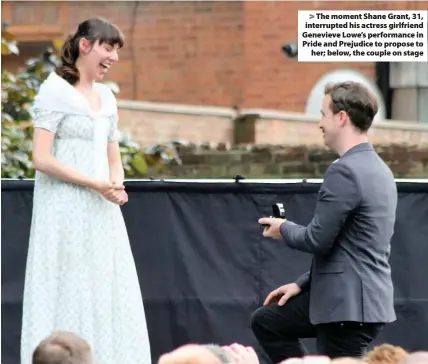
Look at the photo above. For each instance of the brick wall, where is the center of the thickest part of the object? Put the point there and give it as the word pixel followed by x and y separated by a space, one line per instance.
pixel 151 123
pixel 285 162
pixel 204 53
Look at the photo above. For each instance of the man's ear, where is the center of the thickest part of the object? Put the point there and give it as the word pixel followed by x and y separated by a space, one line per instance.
pixel 343 118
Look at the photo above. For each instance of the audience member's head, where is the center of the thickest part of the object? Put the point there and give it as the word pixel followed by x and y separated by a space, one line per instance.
pixel 241 354
pixel 63 347
pixel 418 357
pixel 193 354
pixel 316 359
pixel 308 359
pixel 219 352
pixel 293 361
pixel 385 354
pixel 347 360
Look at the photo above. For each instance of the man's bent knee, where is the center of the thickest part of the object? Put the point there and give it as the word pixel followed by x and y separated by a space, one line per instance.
pixel 258 318
pixel 265 320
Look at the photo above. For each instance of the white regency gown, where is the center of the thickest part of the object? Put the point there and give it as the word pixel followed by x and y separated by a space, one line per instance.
pixel 80 274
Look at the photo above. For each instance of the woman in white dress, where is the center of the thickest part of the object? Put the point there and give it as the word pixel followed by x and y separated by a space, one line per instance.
pixel 80 274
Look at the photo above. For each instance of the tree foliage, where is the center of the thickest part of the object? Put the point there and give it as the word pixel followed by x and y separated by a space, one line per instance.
pixel 18 92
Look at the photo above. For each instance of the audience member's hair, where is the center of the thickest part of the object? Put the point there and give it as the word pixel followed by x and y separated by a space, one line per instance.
pixel 63 347
pixel 219 353
pixel 418 357
pixel 347 360
pixel 190 354
pixel 292 361
pixel 385 354
pixel 316 359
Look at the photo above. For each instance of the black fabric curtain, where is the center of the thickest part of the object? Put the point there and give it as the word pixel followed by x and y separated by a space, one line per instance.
pixel 204 266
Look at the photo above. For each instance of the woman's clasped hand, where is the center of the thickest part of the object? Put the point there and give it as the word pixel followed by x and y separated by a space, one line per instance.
pixel 112 191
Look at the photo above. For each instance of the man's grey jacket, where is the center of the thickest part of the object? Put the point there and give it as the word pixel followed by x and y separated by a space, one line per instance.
pixel 349 236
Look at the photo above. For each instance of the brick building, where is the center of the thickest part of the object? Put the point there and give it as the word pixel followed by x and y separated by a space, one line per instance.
pixel 201 53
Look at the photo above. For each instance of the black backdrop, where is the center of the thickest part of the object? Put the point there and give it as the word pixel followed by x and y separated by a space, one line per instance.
pixel 204 265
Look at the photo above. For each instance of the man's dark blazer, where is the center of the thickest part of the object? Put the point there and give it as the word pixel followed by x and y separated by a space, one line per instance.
pixel 349 236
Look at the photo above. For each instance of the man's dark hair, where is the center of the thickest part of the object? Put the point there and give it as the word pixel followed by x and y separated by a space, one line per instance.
pixel 356 100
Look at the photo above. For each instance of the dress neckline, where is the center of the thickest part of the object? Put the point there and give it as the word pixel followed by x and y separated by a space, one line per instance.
pixel 83 97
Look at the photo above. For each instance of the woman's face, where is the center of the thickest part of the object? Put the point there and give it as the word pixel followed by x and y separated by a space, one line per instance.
pixel 97 58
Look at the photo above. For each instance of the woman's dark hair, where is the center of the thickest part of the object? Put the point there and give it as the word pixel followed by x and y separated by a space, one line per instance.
pixel 93 30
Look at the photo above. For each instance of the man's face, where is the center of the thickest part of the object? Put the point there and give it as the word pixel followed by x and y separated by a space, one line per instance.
pixel 329 123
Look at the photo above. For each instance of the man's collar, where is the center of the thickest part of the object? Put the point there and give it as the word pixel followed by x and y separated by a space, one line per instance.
pixel 362 147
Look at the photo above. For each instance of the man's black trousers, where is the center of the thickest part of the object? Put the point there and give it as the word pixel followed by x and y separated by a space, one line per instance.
pixel 279 328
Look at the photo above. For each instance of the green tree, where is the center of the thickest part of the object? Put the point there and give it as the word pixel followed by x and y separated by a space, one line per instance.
pixel 18 91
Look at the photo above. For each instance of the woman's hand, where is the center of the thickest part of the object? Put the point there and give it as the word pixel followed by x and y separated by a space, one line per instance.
pixel 104 186
pixel 111 191
pixel 118 197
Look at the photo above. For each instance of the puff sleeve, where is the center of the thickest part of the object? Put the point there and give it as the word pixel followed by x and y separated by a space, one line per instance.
pixel 114 130
pixel 47 119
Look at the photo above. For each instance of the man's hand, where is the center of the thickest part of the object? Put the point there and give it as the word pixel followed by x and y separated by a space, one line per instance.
pixel 283 293
pixel 272 231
